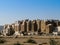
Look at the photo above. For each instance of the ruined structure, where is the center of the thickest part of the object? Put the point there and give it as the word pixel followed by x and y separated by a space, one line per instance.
pixel 31 27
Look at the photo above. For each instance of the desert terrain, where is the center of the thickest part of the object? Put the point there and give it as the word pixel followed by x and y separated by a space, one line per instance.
pixel 30 40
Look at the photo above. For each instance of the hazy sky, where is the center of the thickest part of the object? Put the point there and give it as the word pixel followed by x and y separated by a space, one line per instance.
pixel 13 10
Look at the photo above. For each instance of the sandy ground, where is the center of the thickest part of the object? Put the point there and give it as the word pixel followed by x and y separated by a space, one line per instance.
pixel 44 40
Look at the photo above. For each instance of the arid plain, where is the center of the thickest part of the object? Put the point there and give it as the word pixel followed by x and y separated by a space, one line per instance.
pixel 38 40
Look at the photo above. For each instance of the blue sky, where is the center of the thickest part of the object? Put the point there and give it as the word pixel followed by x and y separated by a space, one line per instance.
pixel 13 10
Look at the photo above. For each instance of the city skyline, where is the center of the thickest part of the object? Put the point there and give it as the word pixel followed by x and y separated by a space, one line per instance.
pixel 13 10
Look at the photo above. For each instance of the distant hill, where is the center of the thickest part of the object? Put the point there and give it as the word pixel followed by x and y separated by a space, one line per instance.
pixel 1 27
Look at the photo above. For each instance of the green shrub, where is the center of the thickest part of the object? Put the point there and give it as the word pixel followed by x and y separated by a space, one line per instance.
pixel 2 41
pixel 31 41
pixel 18 43
pixel 40 44
pixel 53 42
